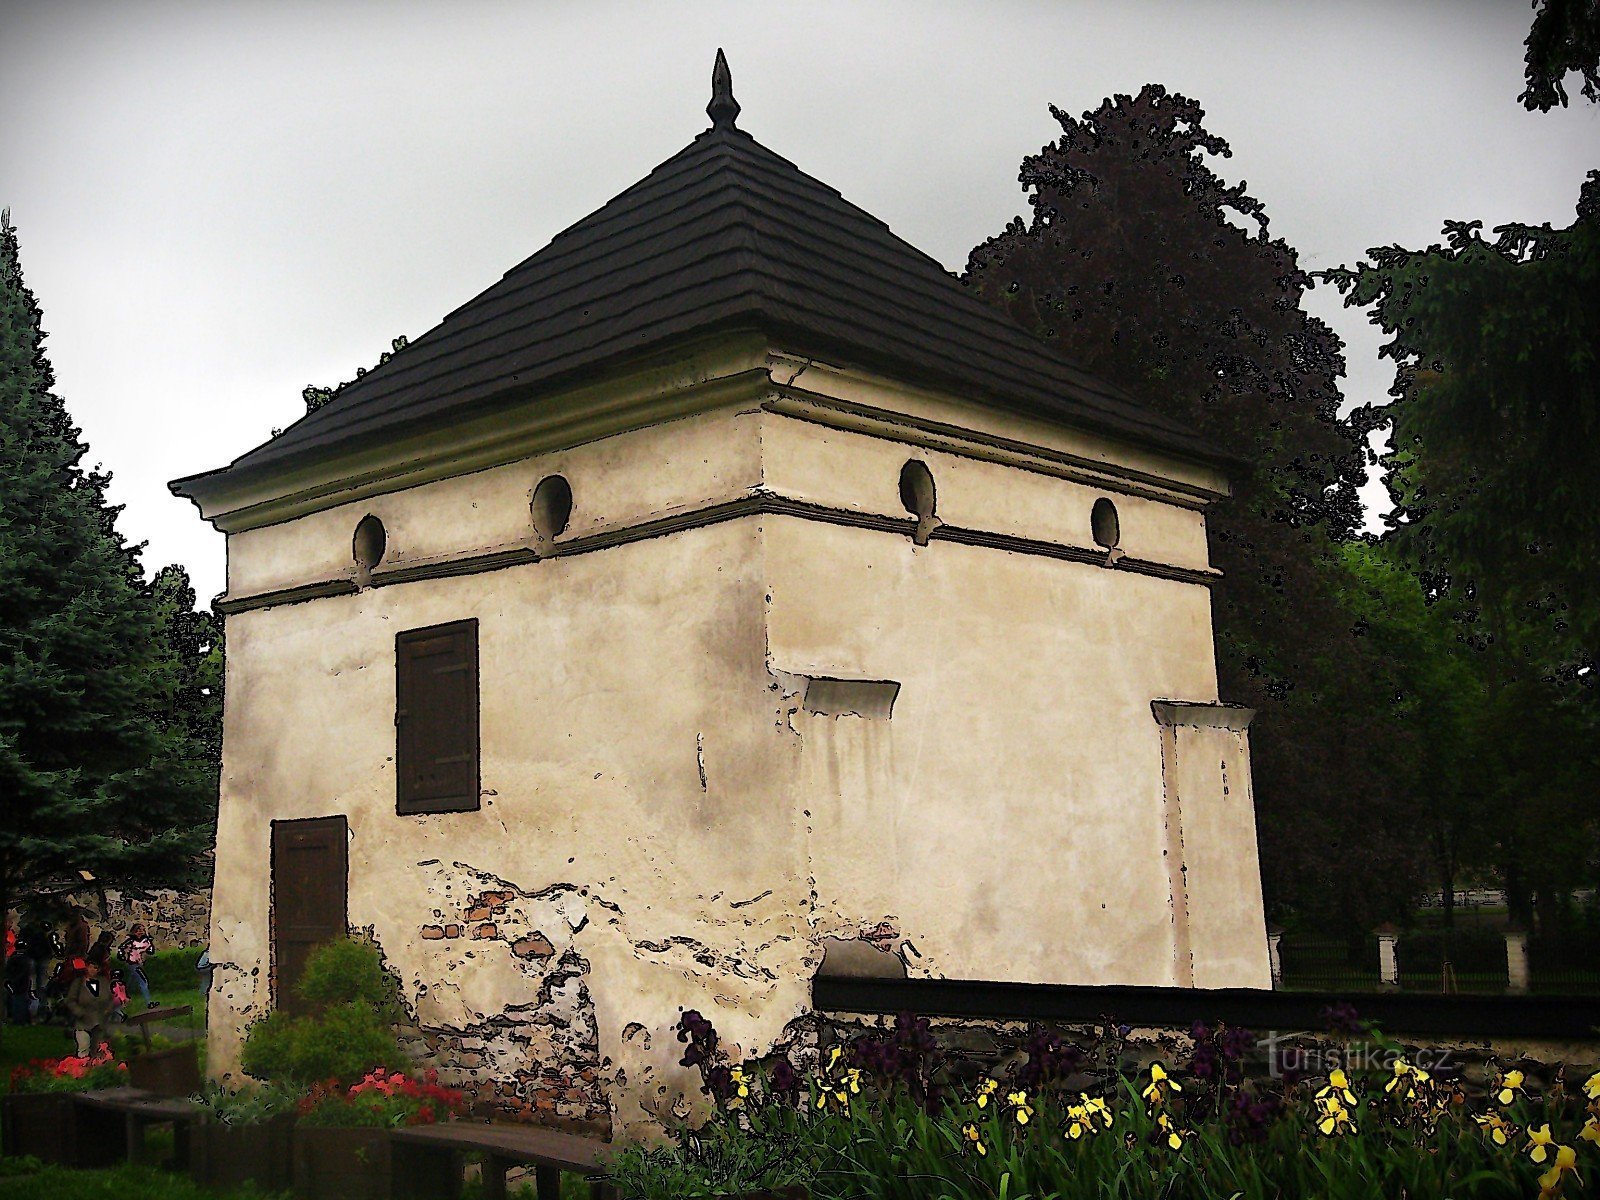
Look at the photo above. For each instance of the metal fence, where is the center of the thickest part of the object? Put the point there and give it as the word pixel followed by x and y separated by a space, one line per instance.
pixel 1329 964
pixel 1470 959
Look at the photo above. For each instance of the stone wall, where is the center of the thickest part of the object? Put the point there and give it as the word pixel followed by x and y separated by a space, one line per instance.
pixel 172 918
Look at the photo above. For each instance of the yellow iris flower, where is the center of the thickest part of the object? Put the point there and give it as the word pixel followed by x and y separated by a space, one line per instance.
pixel 1333 1118
pixel 1566 1160
pixel 1173 1136
pixel 1160 1083
pixel 985 1089
pixel 1539 1143
pixel 1020 1108
pixel 974 1139
pixel 1508 1087
pixel 1081 1117
pixel 1591 1089
pixel 1339 1088
pixel 1496 1128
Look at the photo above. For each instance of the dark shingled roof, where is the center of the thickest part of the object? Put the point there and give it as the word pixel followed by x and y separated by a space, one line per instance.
pixel 723 236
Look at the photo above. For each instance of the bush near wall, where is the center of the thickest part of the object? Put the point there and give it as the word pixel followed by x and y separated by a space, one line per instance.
pixel 173 970
pixel 350 1033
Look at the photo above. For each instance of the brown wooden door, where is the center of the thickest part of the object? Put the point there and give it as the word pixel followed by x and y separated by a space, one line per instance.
pixel 310 865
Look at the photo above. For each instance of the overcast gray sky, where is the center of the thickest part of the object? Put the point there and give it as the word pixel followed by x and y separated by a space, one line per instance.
pixel 221 203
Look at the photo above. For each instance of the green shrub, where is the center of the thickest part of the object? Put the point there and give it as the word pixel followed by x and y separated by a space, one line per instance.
pixel 248 1105
pixel 343 1042
pixel 350 1034
pixel 173 970
pixel 348 971
pixel 269 1047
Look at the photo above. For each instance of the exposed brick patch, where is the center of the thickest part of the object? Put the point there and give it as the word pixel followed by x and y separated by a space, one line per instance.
pixel 535 945
pixel 536 1061
pixel 432 933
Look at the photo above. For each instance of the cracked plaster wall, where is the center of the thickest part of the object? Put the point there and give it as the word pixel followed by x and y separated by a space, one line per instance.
pixel 662 826
pixel 1010 814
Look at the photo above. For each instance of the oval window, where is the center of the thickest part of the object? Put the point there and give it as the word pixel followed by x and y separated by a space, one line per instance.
pixel 369 543
pixel 552 506
pixel 1104 524
pixel 916 489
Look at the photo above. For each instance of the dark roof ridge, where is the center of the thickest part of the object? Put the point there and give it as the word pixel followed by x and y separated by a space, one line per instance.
pixel 724 234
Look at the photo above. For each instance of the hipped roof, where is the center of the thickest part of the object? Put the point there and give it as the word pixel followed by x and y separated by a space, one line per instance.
pixel 725 236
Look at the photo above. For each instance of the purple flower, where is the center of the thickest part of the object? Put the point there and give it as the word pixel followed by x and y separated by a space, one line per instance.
pixel 1249 1116
pixel 1341 1018
pixel 1050 1058
pixel 785 1083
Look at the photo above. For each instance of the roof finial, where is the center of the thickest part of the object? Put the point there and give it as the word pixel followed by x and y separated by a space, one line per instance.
pixel 723 108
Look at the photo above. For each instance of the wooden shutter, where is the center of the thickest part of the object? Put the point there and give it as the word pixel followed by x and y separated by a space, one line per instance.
pixel 310 863
pixel 436 718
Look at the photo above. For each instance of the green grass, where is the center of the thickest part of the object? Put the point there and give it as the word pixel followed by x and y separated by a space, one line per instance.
pixel 27 1179
pixel 176 997
pixel 21 1043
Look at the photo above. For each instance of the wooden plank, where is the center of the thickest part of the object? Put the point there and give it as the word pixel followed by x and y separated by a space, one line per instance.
pixel 158 1014
pixel 522 1143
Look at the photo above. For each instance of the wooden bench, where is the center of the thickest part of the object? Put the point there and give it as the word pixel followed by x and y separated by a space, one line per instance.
pixel 425 1159
pixel 152 1015
pixel 114 1116
pixel 174 1071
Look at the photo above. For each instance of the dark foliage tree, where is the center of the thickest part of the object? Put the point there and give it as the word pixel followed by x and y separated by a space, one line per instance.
pixel 1564 37
pixel 1495 449
pixel 1432 690
pixel 192 638
pixel 1144 265
pixel 92 778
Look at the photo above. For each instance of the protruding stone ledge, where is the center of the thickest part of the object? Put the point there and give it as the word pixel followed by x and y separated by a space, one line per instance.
pixel 1202 714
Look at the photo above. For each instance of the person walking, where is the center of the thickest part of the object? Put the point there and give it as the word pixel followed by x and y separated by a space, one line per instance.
pixel 78 935
pixel 19 988
pixel 100 952
pixel 42 947
pixel 89 1003
pixel 134 950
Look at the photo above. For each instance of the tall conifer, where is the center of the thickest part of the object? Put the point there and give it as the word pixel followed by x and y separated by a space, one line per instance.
pixel 94 776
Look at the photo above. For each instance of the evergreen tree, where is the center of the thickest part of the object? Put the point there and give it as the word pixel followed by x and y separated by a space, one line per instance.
pixel 1495 436
pixel 193 639
pixel 1564 37
pixel 93 778
pixel 1140 262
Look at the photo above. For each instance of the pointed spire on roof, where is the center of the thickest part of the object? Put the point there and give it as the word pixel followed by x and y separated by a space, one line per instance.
pixel 723 109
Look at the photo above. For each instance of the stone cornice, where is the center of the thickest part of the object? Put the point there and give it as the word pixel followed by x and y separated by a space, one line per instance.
pixel 758 504
pixel 720 373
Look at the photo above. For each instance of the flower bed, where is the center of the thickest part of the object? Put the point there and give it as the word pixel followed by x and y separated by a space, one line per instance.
pixel 341 1140
pixel 883 1116
pixel 37 1114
